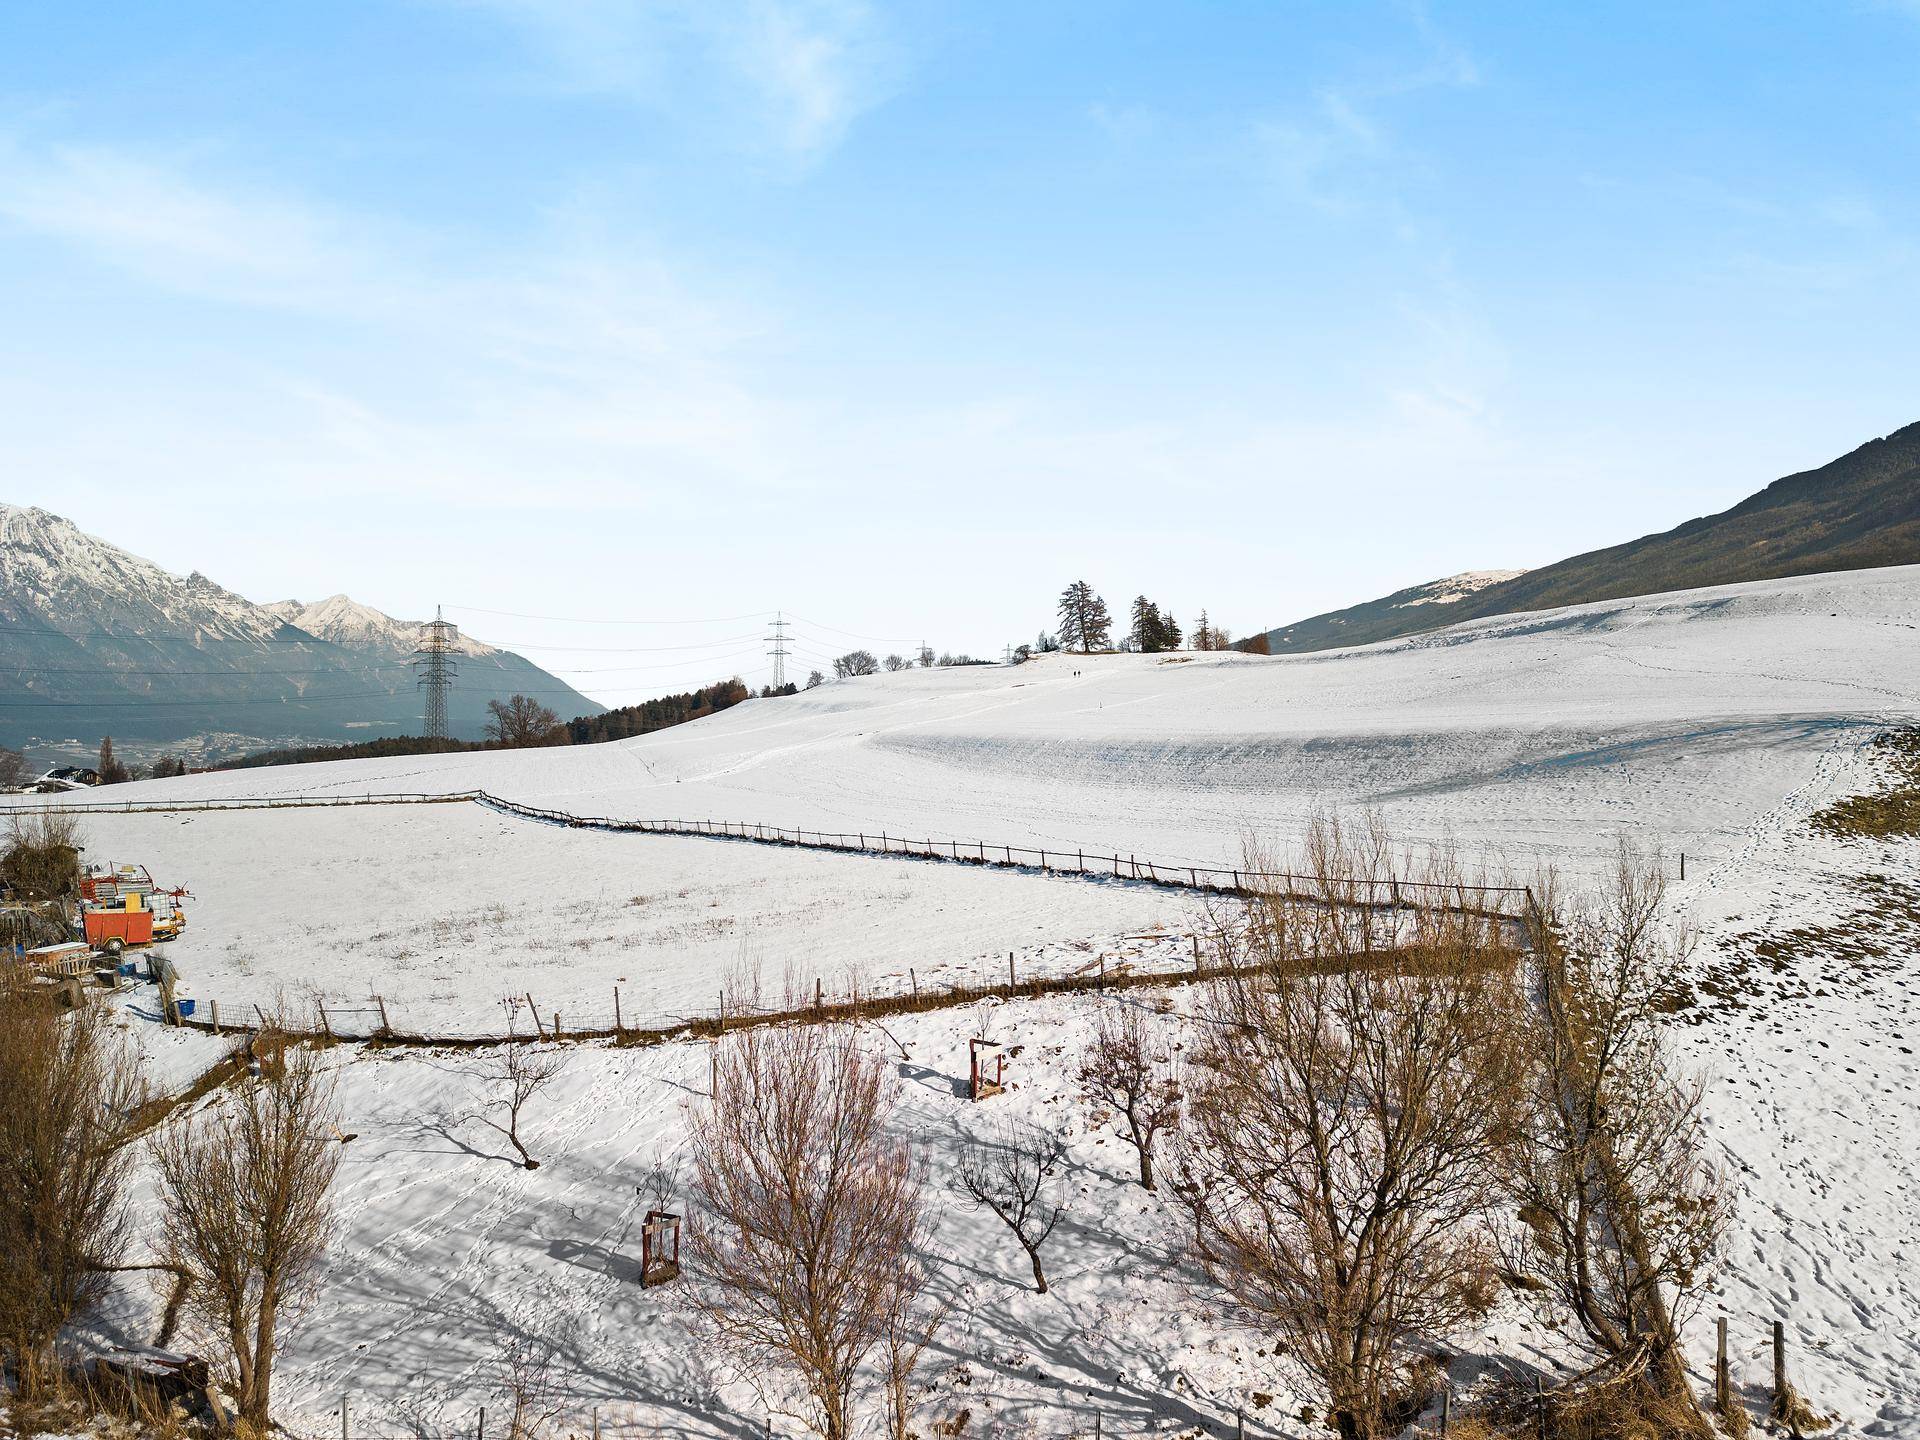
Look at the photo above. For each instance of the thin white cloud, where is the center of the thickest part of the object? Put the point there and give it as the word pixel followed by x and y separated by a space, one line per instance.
pixel 802 71
pixel 1338 154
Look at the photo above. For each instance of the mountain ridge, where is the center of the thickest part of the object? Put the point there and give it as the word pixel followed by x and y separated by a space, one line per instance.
pixel 95 640
pixel 1859 511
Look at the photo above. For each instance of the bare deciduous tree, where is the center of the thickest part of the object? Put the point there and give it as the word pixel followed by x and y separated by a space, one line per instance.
pixel 520 721
pixel 246 1214
pixel 1345 1124
pixel 895 663
pixel 68 1094
pixel 516 1073
pixel 853 663
pixel 1623 1212
pixel 1128 1067
pixel 912 1319
pixel 807 1211
pixel 532 1403
pixel 13 768
pixel 1011 1175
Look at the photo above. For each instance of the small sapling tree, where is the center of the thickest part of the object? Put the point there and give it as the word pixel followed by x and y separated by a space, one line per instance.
pixel 1012 1175
pixel 516 1073
pixel 1128 1067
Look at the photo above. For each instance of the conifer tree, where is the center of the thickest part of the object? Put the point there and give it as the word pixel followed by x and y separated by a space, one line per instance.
pixel 1085 624
pixel 1145 634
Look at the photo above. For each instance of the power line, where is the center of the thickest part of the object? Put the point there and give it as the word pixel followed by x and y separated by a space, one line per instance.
pixel 876 639
pixel 603 620
pixel 631 649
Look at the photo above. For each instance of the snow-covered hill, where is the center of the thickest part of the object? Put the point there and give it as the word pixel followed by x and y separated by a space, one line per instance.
pixel 1716 722
pixel 1682 717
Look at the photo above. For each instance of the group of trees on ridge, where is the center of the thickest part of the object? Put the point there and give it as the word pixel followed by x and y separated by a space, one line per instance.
pixel 1086 625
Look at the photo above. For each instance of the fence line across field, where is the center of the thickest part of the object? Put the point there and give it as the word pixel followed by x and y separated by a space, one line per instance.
pixel 1493 901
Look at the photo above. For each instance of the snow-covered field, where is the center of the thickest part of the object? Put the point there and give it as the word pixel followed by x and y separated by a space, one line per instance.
pixel 443 910
pixel 1714 722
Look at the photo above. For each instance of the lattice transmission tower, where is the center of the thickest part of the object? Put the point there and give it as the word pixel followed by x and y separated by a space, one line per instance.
pixel 435 669
pixel 779 652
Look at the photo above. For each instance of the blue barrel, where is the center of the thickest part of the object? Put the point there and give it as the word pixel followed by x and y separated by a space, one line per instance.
pixel 185 1007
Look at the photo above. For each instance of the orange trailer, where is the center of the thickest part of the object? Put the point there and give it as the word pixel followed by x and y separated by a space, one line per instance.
pixel 112 931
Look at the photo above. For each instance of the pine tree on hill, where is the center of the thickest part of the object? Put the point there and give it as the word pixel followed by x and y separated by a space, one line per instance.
pixel 1085 624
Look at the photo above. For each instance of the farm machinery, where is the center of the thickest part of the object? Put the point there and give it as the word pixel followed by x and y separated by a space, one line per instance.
pixel 122 909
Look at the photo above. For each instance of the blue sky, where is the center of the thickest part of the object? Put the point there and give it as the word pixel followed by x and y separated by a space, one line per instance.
pixel 900 316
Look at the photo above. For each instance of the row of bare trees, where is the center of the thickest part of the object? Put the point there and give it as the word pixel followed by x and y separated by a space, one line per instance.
pixel 1388 1116
pixel 242 1191
pixel 1373 1147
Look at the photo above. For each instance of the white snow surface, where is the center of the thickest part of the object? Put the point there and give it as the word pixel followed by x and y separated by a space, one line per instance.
pixel 444 910
pixel 1714 722
pixel 1459 587
pixel 346 622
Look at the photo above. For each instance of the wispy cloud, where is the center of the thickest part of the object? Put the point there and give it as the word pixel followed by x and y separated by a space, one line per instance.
pixel 802 70
pixel 1337 153
pixel 480 370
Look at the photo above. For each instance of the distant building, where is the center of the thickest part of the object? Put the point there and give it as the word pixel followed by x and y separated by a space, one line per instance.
pixel 65 777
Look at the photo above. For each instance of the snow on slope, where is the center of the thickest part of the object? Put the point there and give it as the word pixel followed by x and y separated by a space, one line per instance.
pixel 1684 718
pixel 1458 587
pixel 347 623
pixel 1716 721
pixel 441 910
pixel 55 572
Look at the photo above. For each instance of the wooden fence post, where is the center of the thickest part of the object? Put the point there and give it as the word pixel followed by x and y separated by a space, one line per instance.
pixel 915 980
pixel 1196 954
pixel 1722 1385
pixel 216 1017
pixel 1009 974
pixel 556 1024
pixel 535 1009
pixel 819 996
pixel 325 1024
pixel 616 1012
pixel 1780 1400
pixel 1446 1406
pixel 385 1028
pixel 482 1433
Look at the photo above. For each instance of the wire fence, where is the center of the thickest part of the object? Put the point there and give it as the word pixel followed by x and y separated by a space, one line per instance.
pixel 1092 862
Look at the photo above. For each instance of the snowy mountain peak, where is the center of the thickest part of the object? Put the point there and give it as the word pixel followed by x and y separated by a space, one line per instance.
pixel 346 622
pixel 54 572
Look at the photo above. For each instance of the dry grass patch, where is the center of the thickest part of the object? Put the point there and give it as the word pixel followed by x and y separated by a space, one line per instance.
pixel 1892 811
